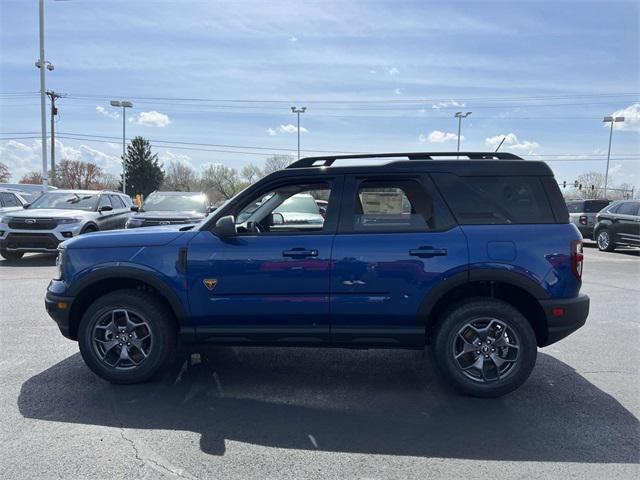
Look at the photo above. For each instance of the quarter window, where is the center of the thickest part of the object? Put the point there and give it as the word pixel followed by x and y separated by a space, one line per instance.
pixel 10 200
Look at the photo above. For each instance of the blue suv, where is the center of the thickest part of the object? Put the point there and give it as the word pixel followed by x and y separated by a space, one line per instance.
pixel 470 253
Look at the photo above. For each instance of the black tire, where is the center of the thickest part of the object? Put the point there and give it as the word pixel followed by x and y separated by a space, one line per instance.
pixel 89 229
pixel 159 323
pixel 447 339
pixel 604 240
pixel 11 256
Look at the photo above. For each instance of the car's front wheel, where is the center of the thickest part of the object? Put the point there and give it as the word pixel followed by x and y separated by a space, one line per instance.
pixel 127 336
pixel 11 256
pixel 604 241
pixel 484 347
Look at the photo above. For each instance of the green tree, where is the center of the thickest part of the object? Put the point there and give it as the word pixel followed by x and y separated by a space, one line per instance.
pixel 144 172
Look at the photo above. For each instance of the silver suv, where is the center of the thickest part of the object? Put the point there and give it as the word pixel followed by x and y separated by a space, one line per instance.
pixel 58 215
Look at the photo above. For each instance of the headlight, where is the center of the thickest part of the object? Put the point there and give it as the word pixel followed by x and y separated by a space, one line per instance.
pixel 59 264
pixel 68 220
pixel 134 222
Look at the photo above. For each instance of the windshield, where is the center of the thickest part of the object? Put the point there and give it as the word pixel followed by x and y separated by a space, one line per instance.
pixel 66 201
pixel 157 202
pixel 299 204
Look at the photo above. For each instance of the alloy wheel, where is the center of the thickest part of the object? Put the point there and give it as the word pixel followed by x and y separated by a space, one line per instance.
pixel 122 339
pixel 603 240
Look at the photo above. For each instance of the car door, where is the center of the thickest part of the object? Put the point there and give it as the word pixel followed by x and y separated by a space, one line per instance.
pixel 120 212
pixel 627 223
pixel 396 241
pixel 105 219
pixel 270 282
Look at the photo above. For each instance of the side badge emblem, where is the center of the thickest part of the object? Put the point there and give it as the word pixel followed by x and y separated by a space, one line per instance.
pixel 210 283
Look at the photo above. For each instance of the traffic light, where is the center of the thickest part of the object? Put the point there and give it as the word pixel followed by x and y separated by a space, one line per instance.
pixel 564 184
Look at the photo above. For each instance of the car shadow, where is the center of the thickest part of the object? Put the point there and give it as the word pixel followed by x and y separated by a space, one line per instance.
pixel 37 260
pixel 374 402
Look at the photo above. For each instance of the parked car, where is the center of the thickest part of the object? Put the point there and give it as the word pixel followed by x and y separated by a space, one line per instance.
pixel 11 199
pixel 473 257
pixel 168 208
pixel 59 215
pixel 582 213
pixel 300 210
pixel 618 225
pixel 30 191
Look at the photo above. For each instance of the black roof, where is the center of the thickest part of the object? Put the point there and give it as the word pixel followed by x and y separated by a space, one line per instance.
pixel 462 163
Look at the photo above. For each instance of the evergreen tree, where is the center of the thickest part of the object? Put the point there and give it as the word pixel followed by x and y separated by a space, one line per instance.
pixel 144 173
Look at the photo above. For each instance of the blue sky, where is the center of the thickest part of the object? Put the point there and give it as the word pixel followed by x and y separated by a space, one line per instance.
pixel 375 76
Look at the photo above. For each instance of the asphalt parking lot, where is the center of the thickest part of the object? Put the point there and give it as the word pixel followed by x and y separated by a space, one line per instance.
pixel 266 413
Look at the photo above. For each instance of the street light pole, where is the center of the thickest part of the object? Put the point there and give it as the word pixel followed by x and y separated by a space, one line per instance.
pixel 43 108
pixel 610 120
pixel 124 104
pixel 298 111
pixel 460 116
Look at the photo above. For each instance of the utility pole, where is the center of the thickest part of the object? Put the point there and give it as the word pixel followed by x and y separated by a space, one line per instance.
pixel 54 111
pixel 42 64
pixel 124 104
pixel 460 116
pixel 610 120
pixel 298 111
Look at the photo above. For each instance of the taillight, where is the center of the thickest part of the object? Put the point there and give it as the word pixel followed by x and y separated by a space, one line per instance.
pixel 577 258
pixel 583 220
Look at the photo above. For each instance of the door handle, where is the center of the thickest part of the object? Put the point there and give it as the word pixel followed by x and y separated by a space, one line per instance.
pixel 300 253
pixel 428 252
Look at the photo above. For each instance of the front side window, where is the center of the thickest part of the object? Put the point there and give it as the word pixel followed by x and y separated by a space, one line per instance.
pixel 628 208
pixel 291 208
pixel 105 202
pixel 116 201
pixel 392 206
pixel 66 201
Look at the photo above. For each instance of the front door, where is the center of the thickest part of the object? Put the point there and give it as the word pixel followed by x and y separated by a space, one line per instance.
pixel 396 240
pixel 269 283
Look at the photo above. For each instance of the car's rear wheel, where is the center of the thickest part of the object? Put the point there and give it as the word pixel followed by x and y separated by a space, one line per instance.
pixel 484 347
pixel 126 336
pixel 604 241
pixel 11 256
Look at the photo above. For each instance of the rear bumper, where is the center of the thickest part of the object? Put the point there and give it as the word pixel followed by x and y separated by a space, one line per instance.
pixel 59 309
pixel 575 311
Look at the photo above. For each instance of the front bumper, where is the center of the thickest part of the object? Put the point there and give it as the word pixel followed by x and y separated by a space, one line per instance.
pixel 59 309
pixel 574 315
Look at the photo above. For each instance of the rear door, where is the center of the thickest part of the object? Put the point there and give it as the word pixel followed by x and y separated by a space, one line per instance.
pixel 105 219
pixel 121 212
pixel 627 223
pixel 396 241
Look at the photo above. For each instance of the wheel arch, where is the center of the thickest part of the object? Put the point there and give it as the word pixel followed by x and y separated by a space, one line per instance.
pixel 90 226
pixel 513 288
pixel 109 279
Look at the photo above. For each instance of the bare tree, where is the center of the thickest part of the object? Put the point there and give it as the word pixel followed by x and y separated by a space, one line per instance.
pixel 221 182
pixel 5 173
pixel 180 176
pixel 592 185
pixel 251 173
pixel 78 174
pixel 34 177
pixel 277 162
pixel 107 181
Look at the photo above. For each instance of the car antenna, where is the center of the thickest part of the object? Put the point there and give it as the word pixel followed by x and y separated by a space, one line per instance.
pixel 501 142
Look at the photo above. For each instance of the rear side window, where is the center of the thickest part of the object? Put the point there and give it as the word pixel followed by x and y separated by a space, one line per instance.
pixel 595 207
pixel 575 207
pixel 496 200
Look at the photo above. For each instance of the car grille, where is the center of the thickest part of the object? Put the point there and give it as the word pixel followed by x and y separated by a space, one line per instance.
pixel 40 241
pixel 33 223
pixel 163 221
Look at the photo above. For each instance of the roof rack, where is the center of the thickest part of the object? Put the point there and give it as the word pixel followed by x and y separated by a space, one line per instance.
pixel 326 161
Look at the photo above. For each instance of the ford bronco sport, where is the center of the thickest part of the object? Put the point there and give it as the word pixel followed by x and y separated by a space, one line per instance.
pixel 473 256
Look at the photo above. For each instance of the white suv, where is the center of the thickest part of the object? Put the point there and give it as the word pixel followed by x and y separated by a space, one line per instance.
pixel 58 215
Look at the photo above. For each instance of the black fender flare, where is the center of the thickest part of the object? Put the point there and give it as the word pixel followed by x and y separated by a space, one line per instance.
pixel 119 271
pixel 477 275
pixel 89 225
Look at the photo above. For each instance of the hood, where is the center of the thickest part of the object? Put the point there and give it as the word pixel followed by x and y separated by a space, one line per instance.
pixel 48 213
pixel 5 210
pixel 137 237
pixel 169 214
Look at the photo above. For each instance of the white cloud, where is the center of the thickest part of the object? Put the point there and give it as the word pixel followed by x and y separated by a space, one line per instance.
pixel 289 128
pixel 631 116
pixel 153 119
pixel 293 39
pixel 393 71
pixel 450 103
pixel 439 137
pixel 107 113
pixel 22 158
pixel 166 157
pixel 397 91
pixel 511 142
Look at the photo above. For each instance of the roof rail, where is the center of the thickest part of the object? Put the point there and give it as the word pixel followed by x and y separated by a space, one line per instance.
pixel 326 161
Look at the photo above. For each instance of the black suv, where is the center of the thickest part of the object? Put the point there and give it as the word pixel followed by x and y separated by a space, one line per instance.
pixel 618 225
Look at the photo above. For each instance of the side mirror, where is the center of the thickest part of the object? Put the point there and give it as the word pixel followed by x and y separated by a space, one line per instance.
pixel 105 208
pixel 135 208
pixel 225 227
pixel 26 205
pixel 211 209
